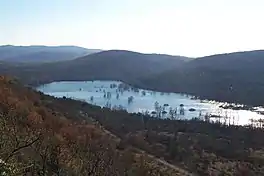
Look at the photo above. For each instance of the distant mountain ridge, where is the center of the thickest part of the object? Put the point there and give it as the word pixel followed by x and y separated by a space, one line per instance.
pixel 40 54
pixel 120 65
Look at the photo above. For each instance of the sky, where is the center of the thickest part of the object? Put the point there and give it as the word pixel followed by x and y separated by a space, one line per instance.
pixel 178 27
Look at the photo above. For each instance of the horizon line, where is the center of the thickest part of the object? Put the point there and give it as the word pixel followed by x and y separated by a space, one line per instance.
pixel 104 50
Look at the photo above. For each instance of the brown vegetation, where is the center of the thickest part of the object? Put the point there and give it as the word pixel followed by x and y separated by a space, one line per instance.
pixel 38 137
pixel 42 135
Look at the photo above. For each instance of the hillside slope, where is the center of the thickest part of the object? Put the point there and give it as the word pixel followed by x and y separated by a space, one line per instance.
pixel 234 77
pixel 41 135
pixel 114 65
pixel 44 135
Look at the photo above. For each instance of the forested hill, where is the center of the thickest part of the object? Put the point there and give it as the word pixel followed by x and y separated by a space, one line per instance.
pixel 41 135
pixel 231 61
pixel 234 77
pixel 114 65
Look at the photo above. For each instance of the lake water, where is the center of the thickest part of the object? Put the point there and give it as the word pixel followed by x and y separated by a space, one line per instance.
pixel 114 94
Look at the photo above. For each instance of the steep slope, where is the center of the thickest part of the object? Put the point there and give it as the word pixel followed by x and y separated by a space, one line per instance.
pixel 234 77
pixel 40 54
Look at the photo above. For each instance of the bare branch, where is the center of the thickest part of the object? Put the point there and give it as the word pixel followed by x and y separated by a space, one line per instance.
pixel 19 148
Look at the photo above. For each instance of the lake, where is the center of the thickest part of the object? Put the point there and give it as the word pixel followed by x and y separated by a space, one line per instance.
pixel 117 95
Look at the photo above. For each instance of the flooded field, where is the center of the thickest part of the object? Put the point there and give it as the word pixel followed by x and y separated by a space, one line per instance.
pixel 117 95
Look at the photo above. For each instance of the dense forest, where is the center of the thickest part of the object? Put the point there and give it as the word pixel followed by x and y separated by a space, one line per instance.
pixel 43 135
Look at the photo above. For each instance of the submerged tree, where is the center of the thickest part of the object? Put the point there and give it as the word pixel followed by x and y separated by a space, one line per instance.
pixel 159 109
pixel 175 112
pixel 130 99
pixel 171 113
pixel 108 95
pixel 156 105
pixel 92 99
pixel 182 111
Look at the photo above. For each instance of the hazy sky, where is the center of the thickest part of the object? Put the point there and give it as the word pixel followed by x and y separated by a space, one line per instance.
pixel 180 27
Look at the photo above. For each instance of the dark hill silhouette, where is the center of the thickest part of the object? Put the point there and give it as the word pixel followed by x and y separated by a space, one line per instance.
pixel 231 61
pixel 117 64
pixel 234 77
pixel 126 66
pixel 29 54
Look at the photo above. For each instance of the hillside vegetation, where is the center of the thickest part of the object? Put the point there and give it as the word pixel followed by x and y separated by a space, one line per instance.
pixel 196 146
pixel 45 135
pixel 40 135
pixel 234 77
